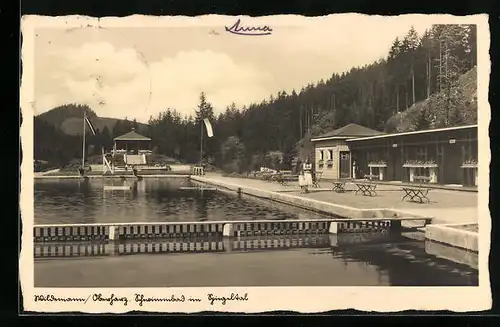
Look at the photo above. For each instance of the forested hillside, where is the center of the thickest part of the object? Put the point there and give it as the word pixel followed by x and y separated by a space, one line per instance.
pixel 454 108
pixel 381 96
pixel 416 86
pixel 69 118
pixel 58 133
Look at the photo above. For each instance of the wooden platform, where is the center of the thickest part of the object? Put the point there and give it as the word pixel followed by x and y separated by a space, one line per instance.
pixel 197 188
pixel 117 187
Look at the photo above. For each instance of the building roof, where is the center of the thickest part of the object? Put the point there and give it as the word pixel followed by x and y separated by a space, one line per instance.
pixel 348 131
pixel 132 136
pixel 413 132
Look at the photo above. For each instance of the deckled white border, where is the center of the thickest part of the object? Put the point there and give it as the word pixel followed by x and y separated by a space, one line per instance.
pixel 261 299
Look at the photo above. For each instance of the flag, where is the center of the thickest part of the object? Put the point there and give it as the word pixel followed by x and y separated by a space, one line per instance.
pixel 210 132
pixel 92 129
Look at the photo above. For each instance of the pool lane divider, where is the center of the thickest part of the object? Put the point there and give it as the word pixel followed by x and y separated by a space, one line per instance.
pixel 241 228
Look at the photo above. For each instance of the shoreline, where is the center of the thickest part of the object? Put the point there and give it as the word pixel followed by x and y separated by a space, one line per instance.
pixel 444 237
pixel 327 208
pixel 310 204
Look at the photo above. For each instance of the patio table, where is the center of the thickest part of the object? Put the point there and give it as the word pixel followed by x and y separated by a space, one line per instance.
pixel 367 189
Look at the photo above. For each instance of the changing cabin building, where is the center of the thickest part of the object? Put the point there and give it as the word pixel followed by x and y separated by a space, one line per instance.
pixel 444 155
pixel 332 153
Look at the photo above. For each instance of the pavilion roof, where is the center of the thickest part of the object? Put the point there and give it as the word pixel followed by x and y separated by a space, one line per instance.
pixel 131 136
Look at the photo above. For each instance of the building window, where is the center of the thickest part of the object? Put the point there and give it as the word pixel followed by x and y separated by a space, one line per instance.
pixel 329 163
pixel 440 150
pixel 422 153
pixel 321 159
pixel 466 152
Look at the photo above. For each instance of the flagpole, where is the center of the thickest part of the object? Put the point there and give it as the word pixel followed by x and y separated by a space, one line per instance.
pixel 83 147
pixel 201 144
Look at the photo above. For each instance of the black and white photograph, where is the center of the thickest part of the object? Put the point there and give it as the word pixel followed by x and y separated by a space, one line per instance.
pixel 252 164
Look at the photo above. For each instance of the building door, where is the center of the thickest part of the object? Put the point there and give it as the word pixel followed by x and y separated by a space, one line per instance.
pixel 441 164
pixel 451 168
pixel 345 164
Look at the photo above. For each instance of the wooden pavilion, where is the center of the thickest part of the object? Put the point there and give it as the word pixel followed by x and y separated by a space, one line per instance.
pixel 129 150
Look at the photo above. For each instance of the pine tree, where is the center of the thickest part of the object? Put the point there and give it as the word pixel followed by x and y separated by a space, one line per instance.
pixel 117 129
pixel 107 141
pixel 422 121
pixel 135 125
pixel 205 110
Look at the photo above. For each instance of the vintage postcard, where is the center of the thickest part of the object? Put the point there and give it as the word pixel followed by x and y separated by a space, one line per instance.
pixel 254 164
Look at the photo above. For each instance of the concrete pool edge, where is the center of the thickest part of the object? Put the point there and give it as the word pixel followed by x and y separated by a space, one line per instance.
pixel 453 253
pixel 307 203
pixel 435 232
pixel 447 234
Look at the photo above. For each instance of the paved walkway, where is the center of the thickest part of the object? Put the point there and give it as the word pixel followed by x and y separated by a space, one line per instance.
pixel 446 206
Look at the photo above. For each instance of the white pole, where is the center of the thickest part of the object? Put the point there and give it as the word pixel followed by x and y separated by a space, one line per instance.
pixel 83 147
pixel 201 144
pixel 113 158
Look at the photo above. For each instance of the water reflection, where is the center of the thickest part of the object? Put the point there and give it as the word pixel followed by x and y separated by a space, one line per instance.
pixel 150 199
pixel 193 245
pixel 340 260
pixel 407 264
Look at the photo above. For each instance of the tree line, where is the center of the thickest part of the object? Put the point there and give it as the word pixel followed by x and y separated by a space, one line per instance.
pixel 416 68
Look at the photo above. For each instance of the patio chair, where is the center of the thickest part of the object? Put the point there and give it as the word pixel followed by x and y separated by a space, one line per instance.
pixel 317 179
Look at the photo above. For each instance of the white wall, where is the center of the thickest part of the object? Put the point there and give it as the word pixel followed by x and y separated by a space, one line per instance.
pixel 333 171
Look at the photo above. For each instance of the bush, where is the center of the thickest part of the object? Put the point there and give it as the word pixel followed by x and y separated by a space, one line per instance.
pixel 234 166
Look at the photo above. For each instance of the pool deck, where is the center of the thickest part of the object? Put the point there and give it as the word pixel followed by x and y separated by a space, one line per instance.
pixel 176 171
pixel 116 176
pixel 446 206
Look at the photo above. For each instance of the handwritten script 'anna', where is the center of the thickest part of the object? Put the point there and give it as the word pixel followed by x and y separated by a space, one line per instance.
pixel 252 30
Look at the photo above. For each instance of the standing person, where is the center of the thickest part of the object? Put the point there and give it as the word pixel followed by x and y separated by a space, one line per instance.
pixel 305 177
pixel 308 172
pixel 81 171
